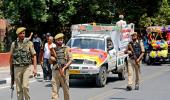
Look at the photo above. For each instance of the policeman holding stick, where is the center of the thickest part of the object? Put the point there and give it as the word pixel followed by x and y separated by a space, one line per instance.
pixel 136 51
pixel 22 53
pixel 62 59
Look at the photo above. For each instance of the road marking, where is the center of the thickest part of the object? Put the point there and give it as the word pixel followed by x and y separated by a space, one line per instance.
pixel 14 85
pixel 8 80
pixel 4 87
pixel 5 71
pixel 161 71
pixel 114 91
pixel 105 94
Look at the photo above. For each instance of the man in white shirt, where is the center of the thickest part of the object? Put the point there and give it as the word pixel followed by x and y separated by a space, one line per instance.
pixel 45 58
pixel 121 23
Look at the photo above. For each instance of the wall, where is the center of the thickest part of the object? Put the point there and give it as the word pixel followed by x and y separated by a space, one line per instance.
pixel 4 59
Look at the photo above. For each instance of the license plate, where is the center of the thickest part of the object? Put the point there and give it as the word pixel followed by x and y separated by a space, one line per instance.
pixel 74 71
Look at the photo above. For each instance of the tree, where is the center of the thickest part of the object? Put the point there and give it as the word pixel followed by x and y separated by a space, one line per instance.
pixel 99 11
pixel 38 13
pixel 145 21
pixel 134 9
pixel 161 17
pixel 1 12
pixel 49 15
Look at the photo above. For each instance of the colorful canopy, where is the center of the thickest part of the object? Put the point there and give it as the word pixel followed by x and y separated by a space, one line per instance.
pixel 158 29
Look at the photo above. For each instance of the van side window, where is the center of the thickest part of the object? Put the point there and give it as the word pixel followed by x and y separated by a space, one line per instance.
pixel 109 44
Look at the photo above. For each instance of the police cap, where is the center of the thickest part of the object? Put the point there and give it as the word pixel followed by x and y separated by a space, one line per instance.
pixel 134 33
pixel 59 35
pixel 20 29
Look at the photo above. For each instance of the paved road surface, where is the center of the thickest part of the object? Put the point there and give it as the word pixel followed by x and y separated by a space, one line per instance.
pixel 154 86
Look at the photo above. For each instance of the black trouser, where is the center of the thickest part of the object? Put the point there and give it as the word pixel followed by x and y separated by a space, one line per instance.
pixel 47 72
pixel 37 49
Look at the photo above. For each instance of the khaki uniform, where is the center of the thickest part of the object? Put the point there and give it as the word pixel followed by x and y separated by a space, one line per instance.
pixel 134 68
pixel 57 79
pixel 22 70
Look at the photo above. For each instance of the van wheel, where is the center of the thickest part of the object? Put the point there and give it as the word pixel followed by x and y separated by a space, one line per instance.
pixel 122 74
pixel 101 77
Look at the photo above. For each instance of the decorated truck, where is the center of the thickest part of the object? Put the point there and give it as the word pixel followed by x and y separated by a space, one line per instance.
pixel 98 50
pixel 159 43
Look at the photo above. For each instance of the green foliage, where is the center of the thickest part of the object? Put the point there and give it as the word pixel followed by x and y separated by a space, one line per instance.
pixel 37 13
pixel 164 12
pixel 161 17
pixel 145 21
pixel 50 15
pixel 1 12
pixel 70 10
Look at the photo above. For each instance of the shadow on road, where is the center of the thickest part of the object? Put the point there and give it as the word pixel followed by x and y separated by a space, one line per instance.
pixel 120 88
pixel 83 83
pixel 112 79
pixel 117 98
pixel 48 85
pixel 87 83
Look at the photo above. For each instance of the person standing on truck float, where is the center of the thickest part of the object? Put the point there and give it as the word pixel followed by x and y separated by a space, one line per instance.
pixel 62 60
pixel 22 53
pixel 121 23
pixel 136 51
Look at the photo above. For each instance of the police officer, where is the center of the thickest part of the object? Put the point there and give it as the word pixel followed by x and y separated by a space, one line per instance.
pixel 60 69
pixel 136 51
pixel 22 54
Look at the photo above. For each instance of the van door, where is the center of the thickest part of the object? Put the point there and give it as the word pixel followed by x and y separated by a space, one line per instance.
pixel 112 54
pixel 121 58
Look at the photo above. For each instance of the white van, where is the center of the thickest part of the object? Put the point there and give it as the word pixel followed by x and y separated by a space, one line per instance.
pixel 98 50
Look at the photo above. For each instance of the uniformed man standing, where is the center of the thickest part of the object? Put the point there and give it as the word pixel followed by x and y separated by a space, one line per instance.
pixel 22 54
pixel 136 51
pixel 60 74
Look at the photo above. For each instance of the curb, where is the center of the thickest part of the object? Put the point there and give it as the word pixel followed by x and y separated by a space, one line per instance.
pixel 8 80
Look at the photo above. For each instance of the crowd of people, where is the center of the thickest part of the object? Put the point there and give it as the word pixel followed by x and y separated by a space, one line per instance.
pixel 42 48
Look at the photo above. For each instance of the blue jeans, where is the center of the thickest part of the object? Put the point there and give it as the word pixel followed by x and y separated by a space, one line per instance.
pixel 47 72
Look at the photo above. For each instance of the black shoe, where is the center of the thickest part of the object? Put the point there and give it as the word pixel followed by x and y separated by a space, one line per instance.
pixel 129 88
pixel 136 87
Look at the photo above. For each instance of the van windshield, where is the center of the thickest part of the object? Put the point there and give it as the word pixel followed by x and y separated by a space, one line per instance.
pixel 86 43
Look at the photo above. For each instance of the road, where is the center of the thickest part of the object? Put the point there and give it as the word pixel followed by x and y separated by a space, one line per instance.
pixel 154 86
